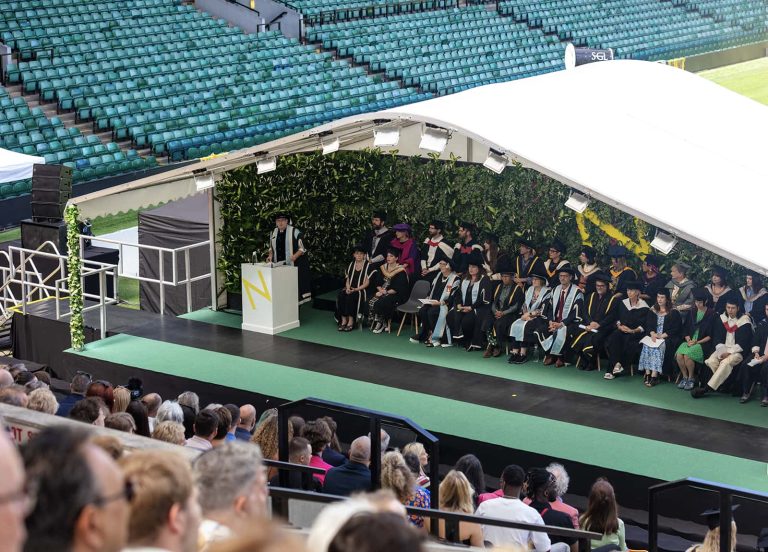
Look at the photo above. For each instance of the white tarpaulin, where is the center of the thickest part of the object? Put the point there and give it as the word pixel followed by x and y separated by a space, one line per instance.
pixel 654 141
pixel 16 166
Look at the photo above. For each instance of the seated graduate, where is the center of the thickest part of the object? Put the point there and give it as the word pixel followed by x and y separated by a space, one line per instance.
pixel 759 372
pixel 376 240
pixel 732 337
pixel 433 250
pixel 719 289
pixel 753 294
pixel 620 272
pixel 286 245
pixel 432 314
pixel 391 289
pixel 527 262
pixel 697 338
pixel 505 308
pixel 354 295
pixel 663 326
pixel 470 313
pixel 653 279
pixel 404 243
pixel 680 287
pixel 531 326
pixel 555 262
pixel 623 345
pixel 588 269
pixel 466 247
pixel 566 308
pixel 601 310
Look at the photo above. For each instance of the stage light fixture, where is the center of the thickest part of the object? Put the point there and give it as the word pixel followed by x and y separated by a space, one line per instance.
pixel 266 165
pixel 330 145
pixel 578 202
pixel 387 137
pixel 664 242
pixel 434 139
pixel 496 161
pixel 204 181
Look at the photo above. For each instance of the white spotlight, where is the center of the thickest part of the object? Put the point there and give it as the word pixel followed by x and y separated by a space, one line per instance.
pixel 664 242
pixel 266 165
pixel 578 202
pixel 204 181
pixel 387 137
pixel 330 146
pixel 496 161
pixel 434 139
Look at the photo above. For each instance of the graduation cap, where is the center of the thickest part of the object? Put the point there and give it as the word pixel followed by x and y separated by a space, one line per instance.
pixel 381 215
pixel 602 277
pixel 653 260
pixel 701 294
pixel 393 251
pixel 439 224
pixel 449 262
pixel 538 273
pixel 474 258
pixel 527 243
pixel 589 252
pixel 468 226
pixel 713 515
pixel 402 227
pixel 567 269
pixel 358 247
pixel 635 285
pixel 558 245
pixel 718 270
pixel 283 215
pixel 504 266
pixel 617 251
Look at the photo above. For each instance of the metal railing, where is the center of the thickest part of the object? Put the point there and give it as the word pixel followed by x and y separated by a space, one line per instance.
pixel 725 493
pixel 163 254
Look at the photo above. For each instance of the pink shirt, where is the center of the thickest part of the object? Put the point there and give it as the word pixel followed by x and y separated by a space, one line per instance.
pixel 561 506
pixel 317 462
pixel 488 496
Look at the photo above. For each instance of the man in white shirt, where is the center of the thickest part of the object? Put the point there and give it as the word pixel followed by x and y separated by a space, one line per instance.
pixel 510 507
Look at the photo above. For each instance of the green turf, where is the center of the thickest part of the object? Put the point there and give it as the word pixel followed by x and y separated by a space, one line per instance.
pixel 10 235
pixel 749 78
pixel 519 431
pixel 318 327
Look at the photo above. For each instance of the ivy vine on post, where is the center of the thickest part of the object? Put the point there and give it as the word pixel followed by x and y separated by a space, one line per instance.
pixel 74 267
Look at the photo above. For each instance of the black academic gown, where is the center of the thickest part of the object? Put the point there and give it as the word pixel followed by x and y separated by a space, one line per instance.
pixel 469 324
pixel 385 306
pixel 652 287
pixel 432 252
pixel 524 270
pixel 705 327
pixel 380 251
pixel 510 310
pixel 277 245
pixel 732 295
pixel 428 314
pixel 550 269
pixel 463 252
pixel 624 348
pixel 748 375
pixel 621 279
pixel 603 310
pixel 574 317
pixel 673 327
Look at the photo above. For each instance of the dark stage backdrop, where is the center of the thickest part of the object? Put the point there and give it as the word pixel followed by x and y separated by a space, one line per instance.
pixel 174 225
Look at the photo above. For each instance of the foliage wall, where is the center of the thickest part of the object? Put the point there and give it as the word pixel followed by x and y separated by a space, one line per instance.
pixel 331 198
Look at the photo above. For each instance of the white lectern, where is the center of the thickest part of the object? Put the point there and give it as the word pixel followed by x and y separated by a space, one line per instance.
pixel 270 298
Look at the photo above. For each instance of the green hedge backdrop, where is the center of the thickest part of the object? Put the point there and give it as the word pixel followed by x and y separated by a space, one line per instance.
pixel 331 199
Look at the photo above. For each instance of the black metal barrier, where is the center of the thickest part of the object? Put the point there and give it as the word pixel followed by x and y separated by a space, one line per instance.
pixel 281 496
pixel 725 495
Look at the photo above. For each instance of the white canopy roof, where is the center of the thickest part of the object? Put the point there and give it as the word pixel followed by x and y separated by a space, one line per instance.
pixel 657 142
pixel 16 166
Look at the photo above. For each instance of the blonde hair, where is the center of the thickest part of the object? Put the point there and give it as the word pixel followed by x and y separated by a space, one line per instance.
pixel 456 493
pixel 109 444
pixel 122 396
pixel 43 400
pixel 396 476
pixel 160 480
pixel 712 540
pixel 415 448
pixel 170 432
pixel 266 437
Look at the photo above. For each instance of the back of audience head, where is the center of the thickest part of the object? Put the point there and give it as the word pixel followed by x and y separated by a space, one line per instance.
pixel 43 400
pixel 79 384
pixel 23 378
pixel 12 485
pixel 120 421
pixel 562 479
pixel 418 449
pixel 261 536
pixel 16 369
pixel 89 411
pixel 121 397
pixel 333 426
pixel 412 461
pixel 234 414
pixel 152 401
pixel 109 444
pixel 266 436
pixel 82 496
pixel 170 432
pixel 456 493
pixel 15 395
pixel 190 399
pixel 601 515
pixel 224 423
pixel 248 417
pixel 512 479
pixel 360 450
pixel 6 379
pixel 164 512
pixel 43 377
pixel 103 390
pixel 299 451
pixel 206 425
pixel 396 476
pixel 170 411
pixel 470 466
pixel 232 482
pixel 298 423
pixel 376 532
pixel 138 412
pixel 318 433
pixel 540 485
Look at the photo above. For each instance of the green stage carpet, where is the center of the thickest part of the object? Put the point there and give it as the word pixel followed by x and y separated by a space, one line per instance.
pixel 318 327
pixel 519 431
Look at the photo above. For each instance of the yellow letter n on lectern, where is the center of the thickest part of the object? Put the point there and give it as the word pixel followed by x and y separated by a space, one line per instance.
pixel 263 291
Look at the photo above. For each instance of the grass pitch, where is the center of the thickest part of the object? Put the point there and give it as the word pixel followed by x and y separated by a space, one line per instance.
pixel 749 78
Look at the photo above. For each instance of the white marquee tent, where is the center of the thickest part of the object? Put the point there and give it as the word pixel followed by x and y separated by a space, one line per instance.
pixel 667 146
pixel 16 166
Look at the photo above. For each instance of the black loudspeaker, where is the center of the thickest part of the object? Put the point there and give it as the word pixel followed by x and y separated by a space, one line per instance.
pixel 35 233
pixel 51 189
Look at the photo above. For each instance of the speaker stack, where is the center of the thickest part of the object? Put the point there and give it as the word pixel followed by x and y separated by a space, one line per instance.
pixel 51 190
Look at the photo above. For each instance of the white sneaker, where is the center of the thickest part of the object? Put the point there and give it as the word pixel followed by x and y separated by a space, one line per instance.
pixel 609 376
pixel 618 369
pixel 414 340
pixel 446 345
pixel 378 328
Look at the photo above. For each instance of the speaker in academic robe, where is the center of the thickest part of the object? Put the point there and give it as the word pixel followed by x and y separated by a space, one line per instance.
pixel 51 189
pixel 575 56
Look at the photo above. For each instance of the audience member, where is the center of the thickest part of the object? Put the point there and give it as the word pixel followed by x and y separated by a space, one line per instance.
pixel 376 532
pixel 170 411
pixel 332 453
pixel 396 477
pixel 234 413
pixel 562 480
pixel 663 327
pixel 456 496
pixel 24 377
pixel 540 493
pixel 16 502
pixel 6 379
pixel 420 452
pixel 138 412
pixel 43 400
pixel 266 437
pixel 332 518
pixel 103 390
pixel 712 538
pixel 152 402
pixel 247 422
pixel 15 395
pixel 354 475
pixel 353 297
pixel 299 452
pixel 83 498
pixel 232 489
pixel 297 424
pixel 120 421
pixel 206 426
pixel 390 289
pixel 680 287
pixel 623 345
pixel 223 426
pixel 190 406
pixel 602 516
pixel 319 435
pixel 109 444
pixel 165 514
pixel 89 411
pixel 697 342
pixel 510 507
pixel 121 397
pixel 170 432
pixel 261 536
pixel 531 326
pixel 470 465
pixel 376 240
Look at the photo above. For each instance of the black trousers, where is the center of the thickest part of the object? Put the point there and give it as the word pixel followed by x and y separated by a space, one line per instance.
pixel 348 303
pixel 501 327
pixel 748 375
pixel 469 324
pixel 428 315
